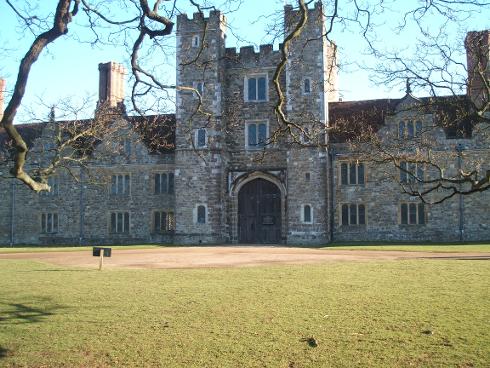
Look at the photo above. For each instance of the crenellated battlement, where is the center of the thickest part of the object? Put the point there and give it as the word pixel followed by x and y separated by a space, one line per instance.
pixel 314 26
pixel 318 6
pixel 215 20
pixel 249 54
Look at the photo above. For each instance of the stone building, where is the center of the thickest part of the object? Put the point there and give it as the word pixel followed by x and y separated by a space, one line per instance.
pixel 221 175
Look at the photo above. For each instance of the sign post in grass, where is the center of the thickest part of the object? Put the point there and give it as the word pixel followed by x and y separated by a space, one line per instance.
pixel 101 253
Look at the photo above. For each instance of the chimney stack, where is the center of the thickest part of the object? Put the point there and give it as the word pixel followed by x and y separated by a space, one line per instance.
pixel 477 46
pixel 111 84
pixel 2 97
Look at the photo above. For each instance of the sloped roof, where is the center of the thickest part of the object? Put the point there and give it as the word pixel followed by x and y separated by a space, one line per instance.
pixel 28 131
pixel 351 119
pixel 157 132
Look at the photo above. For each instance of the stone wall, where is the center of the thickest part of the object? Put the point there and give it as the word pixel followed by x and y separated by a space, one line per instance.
pixel 460 218
pixel 199 169
pixel 83 201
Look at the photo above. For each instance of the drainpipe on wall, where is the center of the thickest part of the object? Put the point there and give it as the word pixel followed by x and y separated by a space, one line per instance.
pixel 12 213
pixel 330 184
pixel 459 149
pixel 82 209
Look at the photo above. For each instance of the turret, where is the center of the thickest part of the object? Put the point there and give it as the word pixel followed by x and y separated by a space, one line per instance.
pixel 200 52
pixel 200 75
pixel 477 46
pixel 308 72
pixel 309 68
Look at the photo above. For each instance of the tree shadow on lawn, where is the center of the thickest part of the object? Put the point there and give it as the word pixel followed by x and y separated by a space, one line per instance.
pixel 3 352
pixel 58 270
pixel 18 313
pixel 461 258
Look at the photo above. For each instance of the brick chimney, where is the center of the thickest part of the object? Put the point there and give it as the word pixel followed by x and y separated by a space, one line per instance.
pixel 111 84
pixel 2 97
pixel 477 46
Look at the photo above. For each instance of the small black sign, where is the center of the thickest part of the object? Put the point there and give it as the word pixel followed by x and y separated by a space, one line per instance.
pixel 96 251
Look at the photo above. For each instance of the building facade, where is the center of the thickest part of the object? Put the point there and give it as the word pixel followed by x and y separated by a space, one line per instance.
pixel 225 175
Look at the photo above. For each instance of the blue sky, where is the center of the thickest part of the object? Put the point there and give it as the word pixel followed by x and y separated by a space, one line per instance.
pixel 69 68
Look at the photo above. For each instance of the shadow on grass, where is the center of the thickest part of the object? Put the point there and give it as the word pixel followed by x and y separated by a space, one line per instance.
pixel 3 352
pixel 461 258
pixel 18 313
pixel 57 270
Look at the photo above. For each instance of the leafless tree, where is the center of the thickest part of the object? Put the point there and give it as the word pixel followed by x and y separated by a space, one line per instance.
pixel 146 22
pixel 458 97
pixel 435 69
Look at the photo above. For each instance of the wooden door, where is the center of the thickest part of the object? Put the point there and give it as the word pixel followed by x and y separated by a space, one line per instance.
pixel 259 212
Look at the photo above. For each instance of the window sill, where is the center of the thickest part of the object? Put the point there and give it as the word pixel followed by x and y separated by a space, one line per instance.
pixel 353 227
pixel 167 232
pixel 253 148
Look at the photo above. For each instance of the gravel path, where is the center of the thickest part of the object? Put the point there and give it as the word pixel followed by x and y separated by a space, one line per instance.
pixel 227 256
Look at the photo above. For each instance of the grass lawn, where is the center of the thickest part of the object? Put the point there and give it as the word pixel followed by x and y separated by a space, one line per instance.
pixel 413 313
pixel 442 248
pixel 40 249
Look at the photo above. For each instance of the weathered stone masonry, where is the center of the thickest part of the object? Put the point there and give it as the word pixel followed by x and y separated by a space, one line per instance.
pixel 194 193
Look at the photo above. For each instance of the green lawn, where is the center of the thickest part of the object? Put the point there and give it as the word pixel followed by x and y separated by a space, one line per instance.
pixel 343 246
pixel 39 249
pixel 416 313
pixel 442 248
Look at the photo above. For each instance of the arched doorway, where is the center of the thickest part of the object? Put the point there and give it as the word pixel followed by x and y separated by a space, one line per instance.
pixel 259 212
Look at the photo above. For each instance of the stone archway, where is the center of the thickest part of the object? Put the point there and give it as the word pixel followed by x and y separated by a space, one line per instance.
pixel 259 212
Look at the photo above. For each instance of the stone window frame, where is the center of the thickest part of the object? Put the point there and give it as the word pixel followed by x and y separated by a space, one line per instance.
pixel 125 222
pixel 196 138
pixel 199 87
pixel 410 128
pixel 126 146
pixel 196 214
pixel 256 76
pixel 349 222
pixel 195 41
pixel 54 182
pixel 303 86
pixel 114 184
pixel 257 123
pixel 169 221
pixel 411 172
pixel 47 226
pixel 349 164
pixel 169 182
pixel 302 213
pixel 407 218
pixel 463 130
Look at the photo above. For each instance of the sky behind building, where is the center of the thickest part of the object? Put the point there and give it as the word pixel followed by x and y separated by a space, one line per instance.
pixel 68 69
